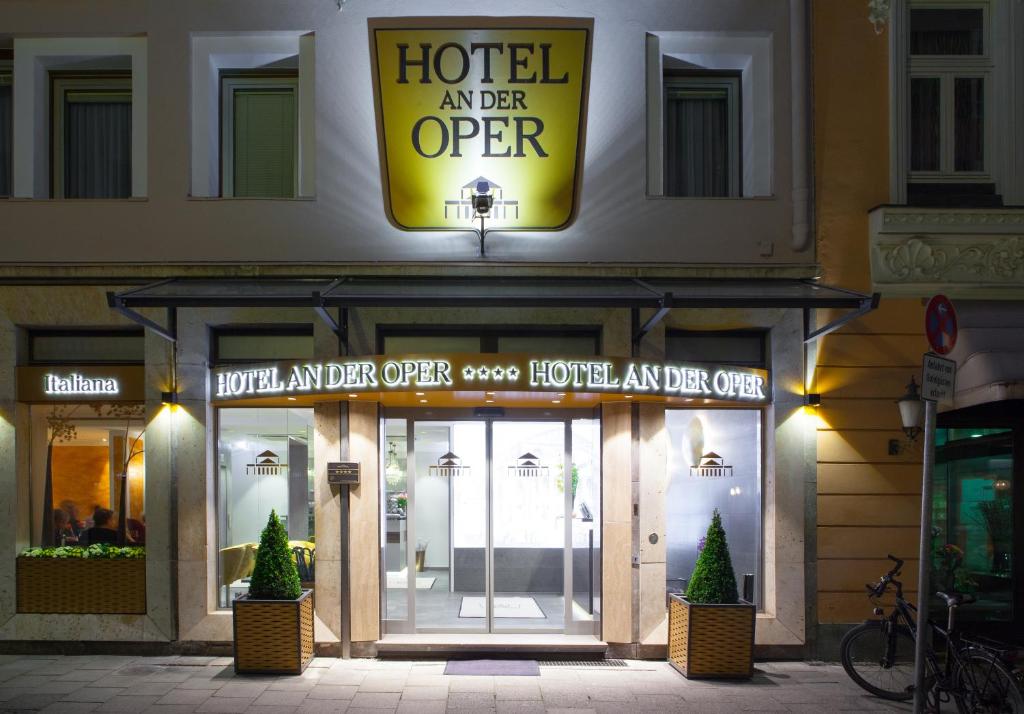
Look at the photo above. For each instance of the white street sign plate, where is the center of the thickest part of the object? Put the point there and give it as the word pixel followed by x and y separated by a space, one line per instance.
pixel 938 378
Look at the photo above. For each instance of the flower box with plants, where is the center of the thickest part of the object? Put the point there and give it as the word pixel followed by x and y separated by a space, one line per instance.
pixel 273 623
pixel 99 579
pixel 710 629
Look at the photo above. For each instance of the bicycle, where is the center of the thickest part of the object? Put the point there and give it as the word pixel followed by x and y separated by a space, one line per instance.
pixel 976 674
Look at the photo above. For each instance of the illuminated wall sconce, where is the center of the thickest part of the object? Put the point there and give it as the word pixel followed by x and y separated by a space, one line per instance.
pixel 911 411
pixel 168 398
pixel 812 399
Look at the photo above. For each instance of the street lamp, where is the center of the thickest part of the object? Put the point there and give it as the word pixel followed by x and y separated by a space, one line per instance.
pixel 483 200
pixel 911 410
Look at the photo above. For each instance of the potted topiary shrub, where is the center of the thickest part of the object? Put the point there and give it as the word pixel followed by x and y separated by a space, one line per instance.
pixel 710 629
pixel 273 623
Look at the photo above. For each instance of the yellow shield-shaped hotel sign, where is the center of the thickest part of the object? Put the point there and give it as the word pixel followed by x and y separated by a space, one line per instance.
pixel 493 106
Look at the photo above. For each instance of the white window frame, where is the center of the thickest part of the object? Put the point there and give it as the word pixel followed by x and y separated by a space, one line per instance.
pixel 230 84
pixel 947 69
pixel 92 87
pixel 733 86
pixel 1004 57
pixel 749 53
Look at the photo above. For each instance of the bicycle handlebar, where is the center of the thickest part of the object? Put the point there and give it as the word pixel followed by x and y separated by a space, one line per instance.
pixel 879 589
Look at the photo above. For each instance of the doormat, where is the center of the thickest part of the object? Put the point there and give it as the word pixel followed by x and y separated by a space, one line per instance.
pixel 509 607
pixel 493 667
pixel 400 581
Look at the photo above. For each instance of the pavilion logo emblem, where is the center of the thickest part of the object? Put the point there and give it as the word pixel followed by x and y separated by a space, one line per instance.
pixel 267 464
pixel 503 209
pixel 711 466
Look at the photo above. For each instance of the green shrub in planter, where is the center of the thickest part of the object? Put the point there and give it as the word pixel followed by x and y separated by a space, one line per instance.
pixel 273 624
pixel 713 581
pixel 711 631
pixel 96 551
pixel 274 577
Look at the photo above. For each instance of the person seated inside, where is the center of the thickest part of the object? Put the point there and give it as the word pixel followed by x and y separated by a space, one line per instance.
pixel 102 530
pixel 63 534
pixel 137 530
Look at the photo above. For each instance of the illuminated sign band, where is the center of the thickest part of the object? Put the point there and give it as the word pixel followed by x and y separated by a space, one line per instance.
pixel 470 102
pixel 76 384
pixel 479 372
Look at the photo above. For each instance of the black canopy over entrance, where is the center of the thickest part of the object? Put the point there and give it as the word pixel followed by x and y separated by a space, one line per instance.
pixel 659 294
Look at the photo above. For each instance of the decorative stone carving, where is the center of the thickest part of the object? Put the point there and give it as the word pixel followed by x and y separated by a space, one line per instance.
pixel 967 252
pixel 923 259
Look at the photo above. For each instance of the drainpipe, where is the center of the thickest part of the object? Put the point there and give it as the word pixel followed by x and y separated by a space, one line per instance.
pixel 799 60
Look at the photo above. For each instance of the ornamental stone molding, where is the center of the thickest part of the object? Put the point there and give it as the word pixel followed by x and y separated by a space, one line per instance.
pixel 968 253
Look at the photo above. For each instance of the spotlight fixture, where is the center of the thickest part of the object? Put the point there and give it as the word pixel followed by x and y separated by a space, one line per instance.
pixel 482 199
pixel 812 399
pixel 168 398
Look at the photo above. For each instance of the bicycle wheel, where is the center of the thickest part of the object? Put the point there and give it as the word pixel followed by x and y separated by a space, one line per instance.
pixel 880 660
pixel 985 685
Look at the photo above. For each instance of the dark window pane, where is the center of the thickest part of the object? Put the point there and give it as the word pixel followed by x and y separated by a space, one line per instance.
pixel 935 31
pixel 969 100
pixel 72 347
pixel 744 348
pixel 697 142
pixel 973 510
pixel 98 149
pixel 924 123
pixel 5 138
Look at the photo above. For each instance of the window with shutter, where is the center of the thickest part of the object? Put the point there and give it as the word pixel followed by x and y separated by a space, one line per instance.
pixel 260 138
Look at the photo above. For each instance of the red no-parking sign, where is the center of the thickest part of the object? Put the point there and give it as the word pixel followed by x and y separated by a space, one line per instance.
pixel 940 324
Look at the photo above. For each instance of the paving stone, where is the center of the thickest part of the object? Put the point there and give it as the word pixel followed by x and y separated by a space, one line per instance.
pixel 518 706
pixel 470 700
pixel 424 693
pixel 31 700
pixel 421 707
pixel 228 705
pixel 243 688
pixel 151 688
pixel 280 698
pixel 470 684
pixel 321 706
pixel 375 700
pixel 71 707
pixel 517 691
pixel 336 692
pixel 170 709
pixel 124 703
pixel 194 697
pixel 93 694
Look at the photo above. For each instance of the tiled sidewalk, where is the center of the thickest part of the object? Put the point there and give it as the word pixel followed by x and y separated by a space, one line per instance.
pixel 173 685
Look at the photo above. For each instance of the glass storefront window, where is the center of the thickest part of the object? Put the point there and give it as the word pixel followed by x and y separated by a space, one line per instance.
pixel 88 474
pixel 714 462
pixel 973 510
pixel 264 463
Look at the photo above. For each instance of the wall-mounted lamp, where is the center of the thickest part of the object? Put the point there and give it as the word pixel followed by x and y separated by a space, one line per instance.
pixel 911 410
pixel 483 200
pixel 168 398
pixel 812 399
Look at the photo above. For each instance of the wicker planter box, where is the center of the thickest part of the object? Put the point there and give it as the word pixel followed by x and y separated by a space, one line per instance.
pixel 273 636
pixel 711 641
pixel 81 586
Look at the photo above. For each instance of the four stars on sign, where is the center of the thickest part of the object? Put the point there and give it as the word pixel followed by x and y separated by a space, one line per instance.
pixel 496 374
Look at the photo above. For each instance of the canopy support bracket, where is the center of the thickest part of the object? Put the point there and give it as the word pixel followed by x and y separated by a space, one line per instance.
pixel 664 307
pixel 169 333
pixel 338 327
pixel 866 306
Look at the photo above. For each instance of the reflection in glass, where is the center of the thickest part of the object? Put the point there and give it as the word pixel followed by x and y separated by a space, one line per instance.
pixel 973 510
pixel 925 127
pixel 90 446
pixel 969 123
pixel 395 523
pixel 714 462
pixel 450 513
pixel 529 498
pixel 586 520
pixel 265 462
pixel 946 31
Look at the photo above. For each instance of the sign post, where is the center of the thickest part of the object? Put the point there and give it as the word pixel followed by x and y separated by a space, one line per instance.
pixel 938 380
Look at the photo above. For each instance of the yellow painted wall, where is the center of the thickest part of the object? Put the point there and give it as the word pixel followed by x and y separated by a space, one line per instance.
pixel 868 501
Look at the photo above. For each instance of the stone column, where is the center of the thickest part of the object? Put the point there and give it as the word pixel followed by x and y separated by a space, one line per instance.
pixel 16 535
pixel 326 508
pixel 364 523
pixel 653 484
pixel 617 537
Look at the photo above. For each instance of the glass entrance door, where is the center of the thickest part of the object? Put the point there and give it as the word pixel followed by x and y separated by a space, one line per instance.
pixel 487 525
pixel 529 535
